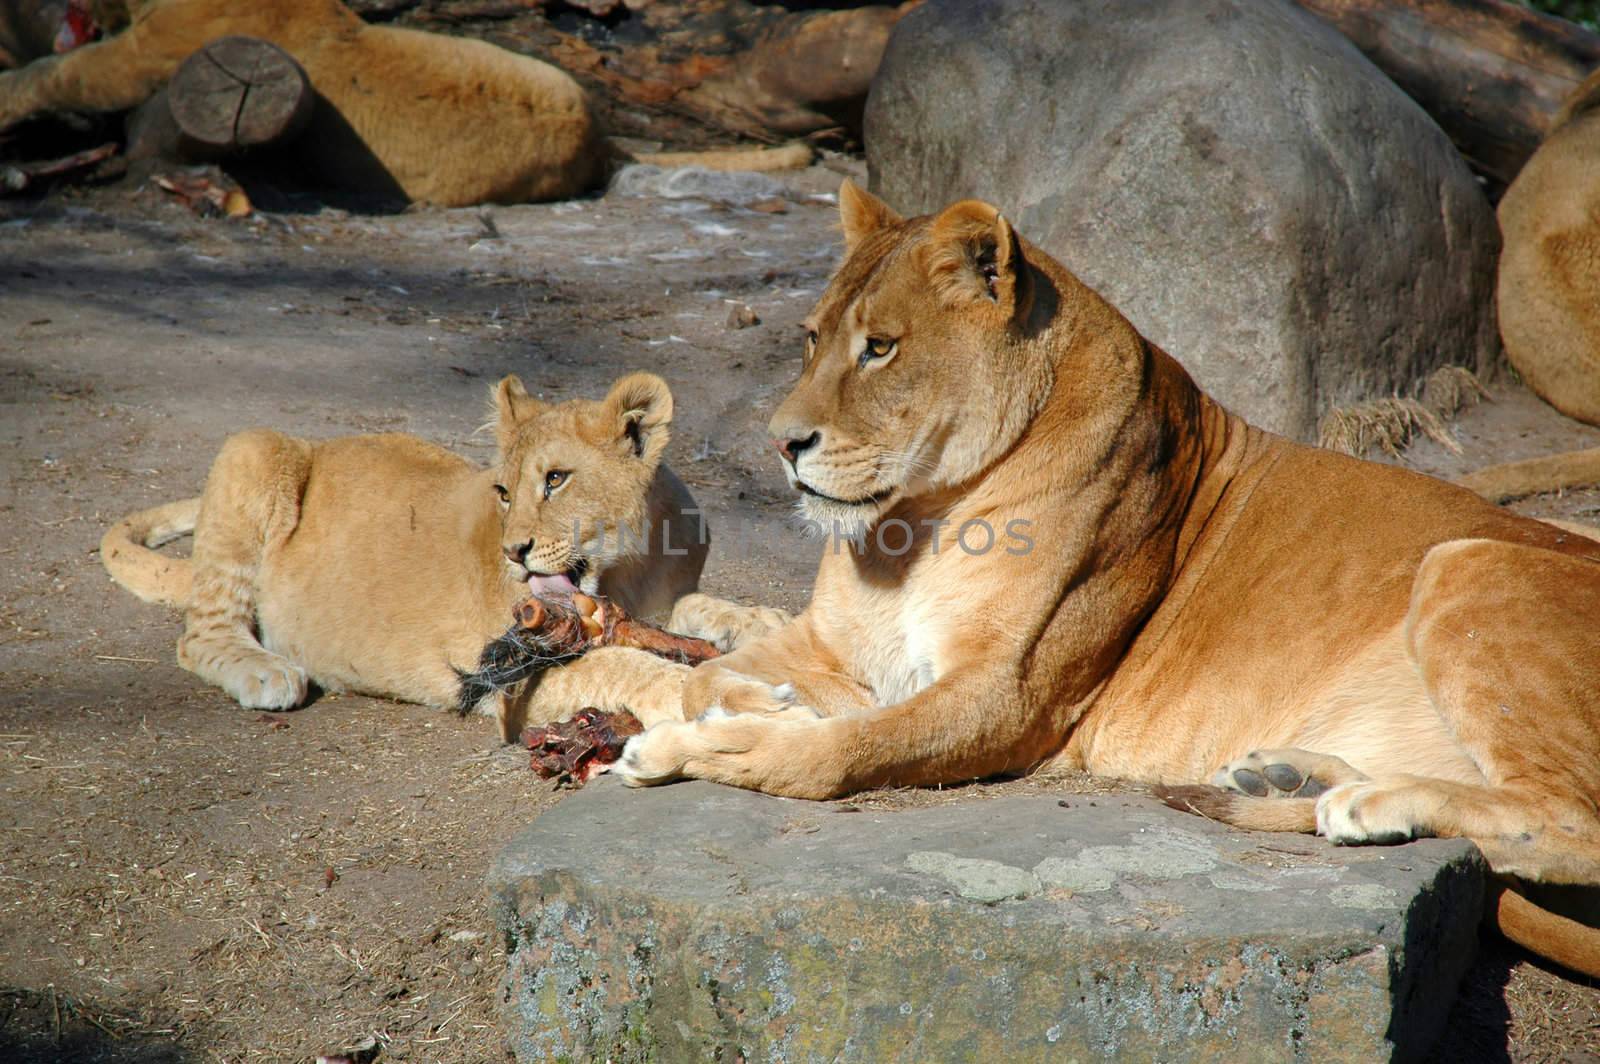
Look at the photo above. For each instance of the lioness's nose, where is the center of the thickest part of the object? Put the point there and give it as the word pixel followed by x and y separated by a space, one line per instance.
pixel 791 447
pixel 516 551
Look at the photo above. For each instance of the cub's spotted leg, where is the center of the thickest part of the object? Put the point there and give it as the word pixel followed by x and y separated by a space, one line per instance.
pixel 726 624
pixel 1504 638
pixel 250 503
pixel 608 679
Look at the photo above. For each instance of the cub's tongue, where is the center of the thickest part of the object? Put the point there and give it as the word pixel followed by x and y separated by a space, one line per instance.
pixel 557 584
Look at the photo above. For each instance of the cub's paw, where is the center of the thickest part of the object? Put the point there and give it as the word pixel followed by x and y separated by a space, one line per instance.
pixel 1284 773
pixel 728 625
pixel 266 681
pixel 1368 814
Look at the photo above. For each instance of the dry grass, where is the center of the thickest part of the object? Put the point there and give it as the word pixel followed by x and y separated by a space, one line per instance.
pixel 1390 424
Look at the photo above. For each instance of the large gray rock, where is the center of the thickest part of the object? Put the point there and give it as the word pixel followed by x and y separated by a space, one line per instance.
pixel 1232 174
pixel 696 922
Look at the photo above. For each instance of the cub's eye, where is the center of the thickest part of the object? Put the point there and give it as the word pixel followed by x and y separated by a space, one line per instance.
pixel 876 348
pixel 505 496
pixel 554 479
pixel 811 346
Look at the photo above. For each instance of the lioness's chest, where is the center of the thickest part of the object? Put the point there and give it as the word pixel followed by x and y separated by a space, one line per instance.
pixel 896 640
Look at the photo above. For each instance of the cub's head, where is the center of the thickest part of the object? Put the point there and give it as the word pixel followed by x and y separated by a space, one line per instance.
pixel 574 479
pixel 915 375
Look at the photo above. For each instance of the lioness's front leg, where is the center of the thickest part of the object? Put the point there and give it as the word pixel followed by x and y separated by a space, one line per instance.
pixel 969 724
pixel 787 671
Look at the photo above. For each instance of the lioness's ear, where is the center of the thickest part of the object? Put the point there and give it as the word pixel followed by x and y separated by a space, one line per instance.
pixel 861 214
pixel 972 255
pixel 638 410
pixel 512 407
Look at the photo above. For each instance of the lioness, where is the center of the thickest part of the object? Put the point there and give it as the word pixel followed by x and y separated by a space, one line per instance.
pixel 383 564
pixel 1341 647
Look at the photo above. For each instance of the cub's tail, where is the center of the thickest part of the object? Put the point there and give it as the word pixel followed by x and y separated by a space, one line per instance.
pixel 1567 942
pixel 1551 472
pixel 125 551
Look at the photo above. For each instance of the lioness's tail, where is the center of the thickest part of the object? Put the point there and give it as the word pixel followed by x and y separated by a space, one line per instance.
pixel 1533 476
pixel 126 554
pixel 1550 935
pixel 1538 930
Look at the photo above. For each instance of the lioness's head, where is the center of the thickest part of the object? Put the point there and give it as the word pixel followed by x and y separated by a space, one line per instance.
pixel 914 376
pixel 574 479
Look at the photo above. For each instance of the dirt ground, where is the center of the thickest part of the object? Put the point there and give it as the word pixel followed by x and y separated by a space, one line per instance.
pixel 181 879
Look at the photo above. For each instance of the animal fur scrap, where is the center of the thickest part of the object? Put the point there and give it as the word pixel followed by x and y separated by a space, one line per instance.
pixel 574 752
pixel 551 631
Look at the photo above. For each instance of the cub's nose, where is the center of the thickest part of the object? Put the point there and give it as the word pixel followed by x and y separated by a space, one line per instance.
pixel 791 447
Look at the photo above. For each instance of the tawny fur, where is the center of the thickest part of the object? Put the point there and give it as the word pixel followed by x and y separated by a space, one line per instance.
pixel 446 120
pixel 1548 291
pixel 378 563
pixel 1192 588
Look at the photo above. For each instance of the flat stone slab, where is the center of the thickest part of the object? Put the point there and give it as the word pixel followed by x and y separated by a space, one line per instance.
pixel 697 922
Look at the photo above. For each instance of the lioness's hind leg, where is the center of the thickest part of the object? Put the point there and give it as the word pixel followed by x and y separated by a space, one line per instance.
pixel 251 502
pixel 1503 636
pixel 1284 773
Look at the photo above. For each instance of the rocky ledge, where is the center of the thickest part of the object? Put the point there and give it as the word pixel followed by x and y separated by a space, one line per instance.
pixel 695 922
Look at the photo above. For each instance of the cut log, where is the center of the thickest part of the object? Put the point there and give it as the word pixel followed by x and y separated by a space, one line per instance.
pixel 239 93
pixel 1493 74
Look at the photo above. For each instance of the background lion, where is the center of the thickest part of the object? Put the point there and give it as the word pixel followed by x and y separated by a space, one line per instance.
pixel 401 112
pixel 1333 645
pixel 383 564
pixel 1548 291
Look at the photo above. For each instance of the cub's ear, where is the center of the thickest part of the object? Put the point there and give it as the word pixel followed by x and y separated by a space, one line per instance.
pixel 637 411
pixel 861 214
pixel 512 407
pixel 972 255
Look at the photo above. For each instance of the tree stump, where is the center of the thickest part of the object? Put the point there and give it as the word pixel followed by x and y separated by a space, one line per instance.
pixel 239 93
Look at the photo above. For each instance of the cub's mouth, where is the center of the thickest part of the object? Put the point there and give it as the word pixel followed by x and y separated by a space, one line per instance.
pixel 564 583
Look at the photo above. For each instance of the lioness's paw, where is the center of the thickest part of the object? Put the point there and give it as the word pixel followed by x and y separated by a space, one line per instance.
pixel 744 694
pixel 648 757
pixel 1365 813
pixel 1284 773
pixel 266 682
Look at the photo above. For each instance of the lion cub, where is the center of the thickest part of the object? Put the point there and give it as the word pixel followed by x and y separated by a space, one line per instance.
pixel 383 564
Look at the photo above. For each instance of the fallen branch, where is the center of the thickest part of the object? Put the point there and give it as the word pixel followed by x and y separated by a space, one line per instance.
pixel 1492 73
pixel 15 177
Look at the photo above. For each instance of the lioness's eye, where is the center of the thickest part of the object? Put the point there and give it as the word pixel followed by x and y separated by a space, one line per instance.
pixel 876 348
pixel 811 344
pixel 553 480
pixel 500 490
